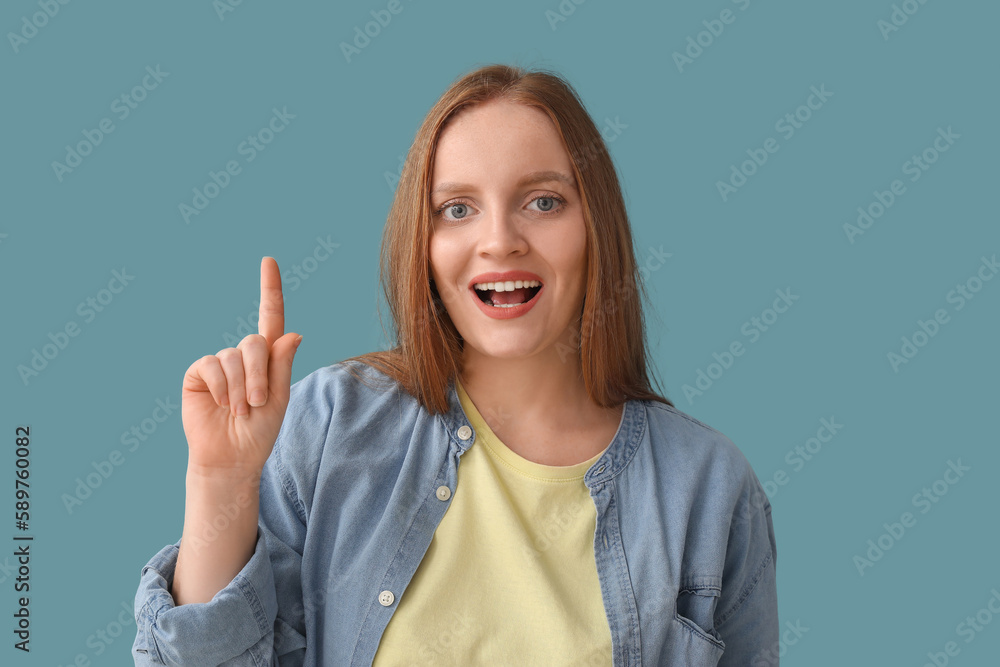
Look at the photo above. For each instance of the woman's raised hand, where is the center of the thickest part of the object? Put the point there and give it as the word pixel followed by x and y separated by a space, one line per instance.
pixel 233 402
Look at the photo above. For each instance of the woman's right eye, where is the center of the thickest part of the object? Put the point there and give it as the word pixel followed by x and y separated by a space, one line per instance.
pixel 462 211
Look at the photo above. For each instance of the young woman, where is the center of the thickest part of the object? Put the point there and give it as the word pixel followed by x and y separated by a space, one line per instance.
pixel 502 487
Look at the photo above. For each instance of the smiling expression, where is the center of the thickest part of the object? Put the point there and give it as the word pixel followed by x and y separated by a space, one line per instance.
pixel 504 199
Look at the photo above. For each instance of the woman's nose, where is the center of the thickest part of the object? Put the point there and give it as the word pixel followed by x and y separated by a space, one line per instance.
pixel 501 233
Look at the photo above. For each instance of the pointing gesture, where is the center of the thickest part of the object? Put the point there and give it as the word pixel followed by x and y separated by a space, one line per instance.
pixel 271 323
pixel 233 402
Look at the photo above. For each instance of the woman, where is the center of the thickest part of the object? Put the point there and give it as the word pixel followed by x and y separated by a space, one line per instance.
pixel 590 522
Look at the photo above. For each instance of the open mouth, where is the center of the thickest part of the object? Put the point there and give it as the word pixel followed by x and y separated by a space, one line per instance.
pixel 507 295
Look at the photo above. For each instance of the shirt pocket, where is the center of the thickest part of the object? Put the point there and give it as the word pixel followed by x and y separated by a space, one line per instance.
pixel 694 615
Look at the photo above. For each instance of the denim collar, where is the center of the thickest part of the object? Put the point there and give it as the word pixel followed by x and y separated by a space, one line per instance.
pixel 616 457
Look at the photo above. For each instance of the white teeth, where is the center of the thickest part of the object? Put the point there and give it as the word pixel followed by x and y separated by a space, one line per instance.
pixel 508 285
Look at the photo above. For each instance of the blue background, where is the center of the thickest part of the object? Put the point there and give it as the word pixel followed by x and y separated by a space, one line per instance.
pixel 328 175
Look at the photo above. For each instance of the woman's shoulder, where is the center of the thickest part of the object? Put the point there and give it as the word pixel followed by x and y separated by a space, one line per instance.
pixel 701 463
pixel 676 434
pixel 347 397
pixel 343 386
pixel 346 373
pixel 343 416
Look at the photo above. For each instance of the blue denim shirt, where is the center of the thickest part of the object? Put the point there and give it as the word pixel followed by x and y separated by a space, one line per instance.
pixel 684 543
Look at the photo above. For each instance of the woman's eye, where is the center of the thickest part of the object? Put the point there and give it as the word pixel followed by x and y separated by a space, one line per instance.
pixel 547 203
pixel 462 211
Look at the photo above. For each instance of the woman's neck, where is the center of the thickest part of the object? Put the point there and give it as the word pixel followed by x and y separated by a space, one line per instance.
pixel 539 407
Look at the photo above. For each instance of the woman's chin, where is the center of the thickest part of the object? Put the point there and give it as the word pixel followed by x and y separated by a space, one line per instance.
pixel 507 347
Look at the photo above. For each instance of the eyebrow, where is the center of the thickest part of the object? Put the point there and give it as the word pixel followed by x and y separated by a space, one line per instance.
pixel 530 178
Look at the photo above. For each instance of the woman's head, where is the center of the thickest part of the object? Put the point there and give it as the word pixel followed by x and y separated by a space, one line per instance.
pixel 608 337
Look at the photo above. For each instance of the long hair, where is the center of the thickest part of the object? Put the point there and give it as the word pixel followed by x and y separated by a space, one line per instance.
pixel 428 348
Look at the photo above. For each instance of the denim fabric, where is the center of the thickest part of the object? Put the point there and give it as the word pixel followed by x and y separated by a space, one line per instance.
pixel 684 543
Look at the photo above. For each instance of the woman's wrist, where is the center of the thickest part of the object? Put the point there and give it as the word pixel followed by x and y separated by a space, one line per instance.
pixel 211 478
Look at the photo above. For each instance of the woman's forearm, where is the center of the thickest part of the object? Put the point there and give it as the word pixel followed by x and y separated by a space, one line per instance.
pixel 219 535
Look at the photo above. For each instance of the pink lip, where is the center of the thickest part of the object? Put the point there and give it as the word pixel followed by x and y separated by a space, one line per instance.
pixel 505 313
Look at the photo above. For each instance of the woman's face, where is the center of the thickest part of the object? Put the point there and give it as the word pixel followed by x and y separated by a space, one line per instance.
pixel 505 200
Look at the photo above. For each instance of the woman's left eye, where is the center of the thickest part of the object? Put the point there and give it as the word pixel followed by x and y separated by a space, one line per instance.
pixel 548 203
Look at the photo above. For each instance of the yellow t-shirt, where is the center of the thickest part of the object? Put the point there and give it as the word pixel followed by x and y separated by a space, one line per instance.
pixel 510 576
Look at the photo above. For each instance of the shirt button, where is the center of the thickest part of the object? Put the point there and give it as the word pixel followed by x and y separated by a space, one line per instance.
pixel 385 598
pixel 465 433
pixel 443 493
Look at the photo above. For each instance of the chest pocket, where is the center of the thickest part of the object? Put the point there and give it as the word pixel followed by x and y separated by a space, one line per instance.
pixel 694 614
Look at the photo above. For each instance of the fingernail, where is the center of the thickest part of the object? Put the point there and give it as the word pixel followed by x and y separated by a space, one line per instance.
pixel 297 341
pixel 257 398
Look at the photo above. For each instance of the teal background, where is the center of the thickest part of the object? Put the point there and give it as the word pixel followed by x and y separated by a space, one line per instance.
pixel 325 176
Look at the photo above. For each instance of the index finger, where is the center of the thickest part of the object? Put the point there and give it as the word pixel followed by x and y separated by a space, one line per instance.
pixel 271 320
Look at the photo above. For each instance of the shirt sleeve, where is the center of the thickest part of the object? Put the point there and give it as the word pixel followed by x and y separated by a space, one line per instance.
pixel 257 618
pixel 747 617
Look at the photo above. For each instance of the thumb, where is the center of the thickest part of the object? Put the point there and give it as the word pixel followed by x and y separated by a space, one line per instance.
pixel 279 366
